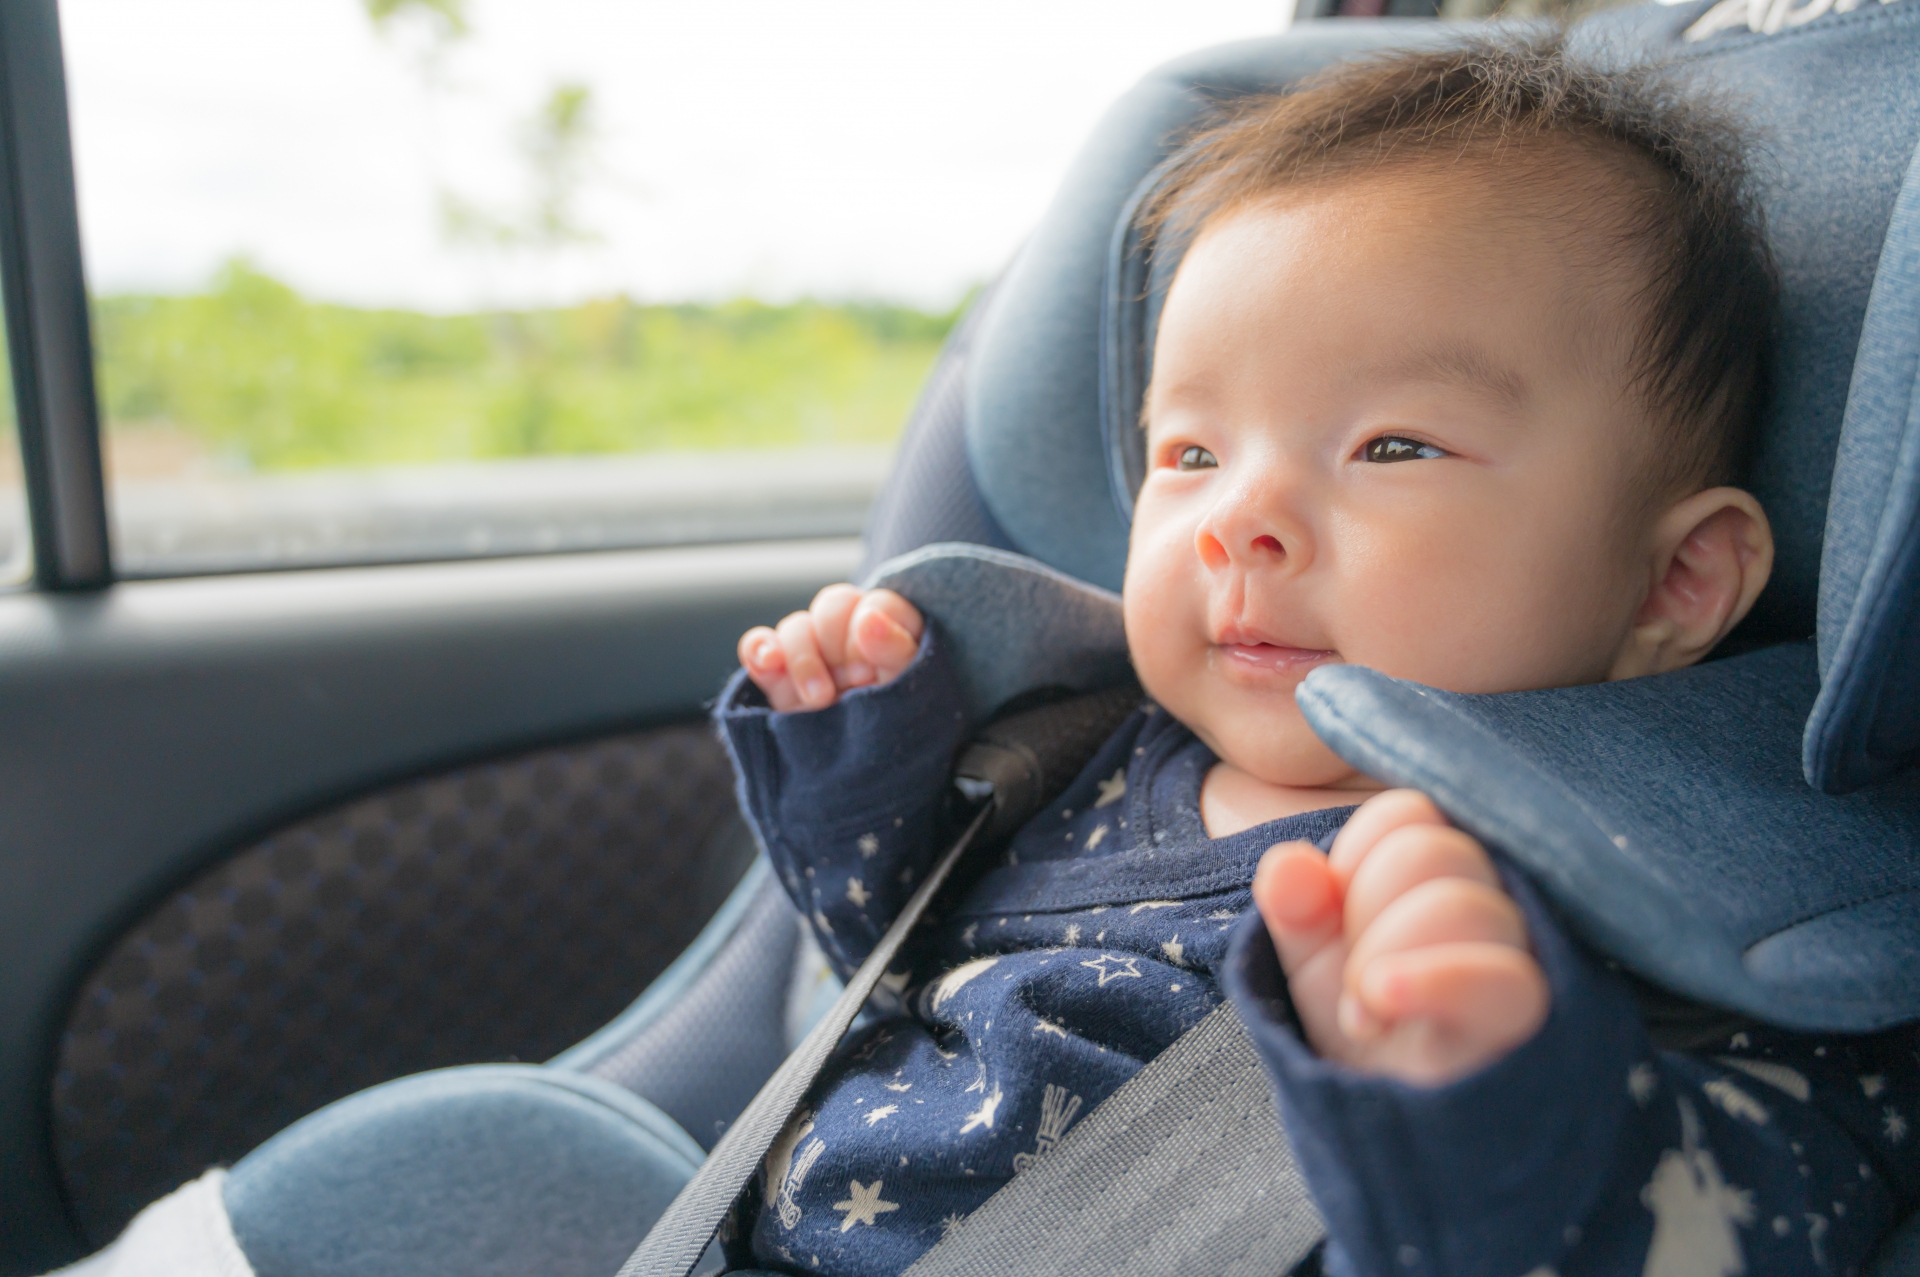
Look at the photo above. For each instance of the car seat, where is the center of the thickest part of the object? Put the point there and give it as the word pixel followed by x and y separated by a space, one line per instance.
pixel 1662 814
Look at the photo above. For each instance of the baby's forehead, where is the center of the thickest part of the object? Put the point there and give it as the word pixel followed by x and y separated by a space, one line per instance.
pixel 1528 244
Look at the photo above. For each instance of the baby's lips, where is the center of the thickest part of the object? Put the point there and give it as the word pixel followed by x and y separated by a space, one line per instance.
pixel 1277 658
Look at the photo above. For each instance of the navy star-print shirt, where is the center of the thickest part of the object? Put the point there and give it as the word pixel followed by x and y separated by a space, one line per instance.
pixel 1112 924
pixel 1075 956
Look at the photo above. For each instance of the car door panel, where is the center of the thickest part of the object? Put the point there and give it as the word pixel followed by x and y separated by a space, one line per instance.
pixel 157 727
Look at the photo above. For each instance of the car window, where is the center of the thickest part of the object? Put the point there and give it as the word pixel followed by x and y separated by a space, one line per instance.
pixel 411 279
pixel 16 556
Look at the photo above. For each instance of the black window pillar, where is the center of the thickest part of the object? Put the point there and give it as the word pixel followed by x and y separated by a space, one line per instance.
pixel 49 340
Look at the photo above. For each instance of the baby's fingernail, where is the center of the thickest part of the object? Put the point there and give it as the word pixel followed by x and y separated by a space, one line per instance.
pixel 1356 1021
pixel 819 689
pixel 858 674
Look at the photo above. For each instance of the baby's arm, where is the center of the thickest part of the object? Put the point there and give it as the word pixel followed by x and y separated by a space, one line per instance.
pixel 1403 954
pixel 1575 1147
pixel 843 726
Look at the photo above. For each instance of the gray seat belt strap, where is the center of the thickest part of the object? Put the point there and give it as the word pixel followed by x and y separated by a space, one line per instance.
pixel 680 1236
pixel 1182 1172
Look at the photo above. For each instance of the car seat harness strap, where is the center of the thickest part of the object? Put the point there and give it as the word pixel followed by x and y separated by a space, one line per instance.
pixel 1184 1171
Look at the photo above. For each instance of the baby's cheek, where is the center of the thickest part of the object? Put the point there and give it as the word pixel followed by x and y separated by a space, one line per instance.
pixel 1479 617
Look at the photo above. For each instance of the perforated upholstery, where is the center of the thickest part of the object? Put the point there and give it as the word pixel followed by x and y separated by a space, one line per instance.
pixel 493 913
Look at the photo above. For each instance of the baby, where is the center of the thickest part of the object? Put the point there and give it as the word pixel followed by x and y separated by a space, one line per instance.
pixel 1461 357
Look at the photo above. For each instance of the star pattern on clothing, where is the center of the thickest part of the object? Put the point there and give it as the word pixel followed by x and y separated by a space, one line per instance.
pixel 857 893
pixel 881 1113
pixel 1778 1076
pixel 869 845
pixel 983 1116
pixel 1112 968
pixel 1112 789
pixel 950 1223
pixel 1094 839
pixel 955 980
pixel 1735 1102
pixel 863 1205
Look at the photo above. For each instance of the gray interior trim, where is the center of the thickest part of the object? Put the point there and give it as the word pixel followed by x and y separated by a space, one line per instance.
pixel 49 342
pixel 156 725
pixel 671 985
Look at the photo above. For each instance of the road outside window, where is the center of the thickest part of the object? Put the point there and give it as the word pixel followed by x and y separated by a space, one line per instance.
pixel 410 279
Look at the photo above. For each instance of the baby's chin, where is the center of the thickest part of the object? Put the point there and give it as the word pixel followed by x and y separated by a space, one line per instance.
pixel 1284 753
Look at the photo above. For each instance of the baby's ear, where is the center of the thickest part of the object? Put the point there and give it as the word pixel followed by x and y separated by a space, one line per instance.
pixel 1712 554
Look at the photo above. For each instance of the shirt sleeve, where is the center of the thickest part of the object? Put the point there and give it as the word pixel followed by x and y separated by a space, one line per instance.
pixel 849 801
pixel 1587 1151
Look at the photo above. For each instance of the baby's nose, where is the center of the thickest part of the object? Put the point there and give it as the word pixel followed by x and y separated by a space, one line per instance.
pixel 1217 546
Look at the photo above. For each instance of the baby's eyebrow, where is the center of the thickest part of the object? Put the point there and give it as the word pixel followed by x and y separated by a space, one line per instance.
pixel 1456 362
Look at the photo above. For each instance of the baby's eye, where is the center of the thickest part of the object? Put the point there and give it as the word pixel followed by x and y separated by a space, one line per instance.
pixel 1194 457
pixel 1395 448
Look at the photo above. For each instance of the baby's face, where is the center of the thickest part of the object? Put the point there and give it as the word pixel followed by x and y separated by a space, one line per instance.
pixel 1386 427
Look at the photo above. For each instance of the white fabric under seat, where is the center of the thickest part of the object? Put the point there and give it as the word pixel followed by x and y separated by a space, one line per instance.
pixel 187 1233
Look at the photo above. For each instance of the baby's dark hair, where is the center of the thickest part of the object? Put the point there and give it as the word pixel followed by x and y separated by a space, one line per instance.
pixel 1525 103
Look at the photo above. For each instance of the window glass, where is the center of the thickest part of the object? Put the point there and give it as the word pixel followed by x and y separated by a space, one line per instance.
pixel 397 279
pixel 16 551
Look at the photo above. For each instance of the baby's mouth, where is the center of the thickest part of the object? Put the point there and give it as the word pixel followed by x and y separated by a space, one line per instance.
pixel 1275 658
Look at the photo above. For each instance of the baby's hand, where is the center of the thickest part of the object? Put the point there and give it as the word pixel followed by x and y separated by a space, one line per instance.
pixel 1403 954
pixel 847 639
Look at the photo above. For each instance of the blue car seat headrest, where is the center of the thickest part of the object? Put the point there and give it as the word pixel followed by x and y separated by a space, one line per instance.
pixel 1061 356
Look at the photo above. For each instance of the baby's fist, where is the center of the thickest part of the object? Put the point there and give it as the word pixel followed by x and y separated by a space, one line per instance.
pixel 1403 954
pixel 847 639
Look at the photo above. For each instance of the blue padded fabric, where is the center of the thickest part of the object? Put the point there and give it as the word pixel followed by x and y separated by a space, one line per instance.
pixel 700 1042
pixel 1667 820
pixel 930 494
pixel 1837 106
pixel 467 1172
pixel 1034 427
pixel 1866 722
pixel 1012 625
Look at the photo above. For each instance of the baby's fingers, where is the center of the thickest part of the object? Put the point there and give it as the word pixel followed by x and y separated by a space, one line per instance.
pixel 806 666
pixel 832 613
pixel 1378 817
pixel 1442 911
pixel 1471 1003
pixel 1299 901
pixel 766 664
pixel 1406 857
pixel 886 633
